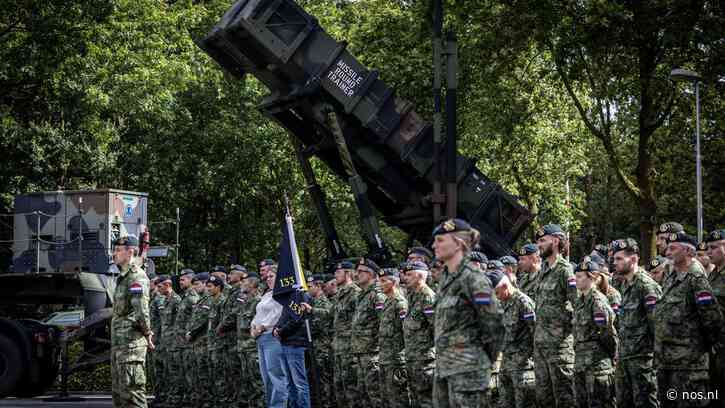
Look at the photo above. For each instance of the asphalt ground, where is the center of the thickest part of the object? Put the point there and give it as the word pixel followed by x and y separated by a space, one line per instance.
pixel 53 401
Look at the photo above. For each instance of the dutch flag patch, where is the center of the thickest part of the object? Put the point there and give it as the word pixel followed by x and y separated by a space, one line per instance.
pixel 600 318
pixel 135 288
pixel 379 306
pixel 650 301
pixel 403 314
pixel 482 298
pixel 529 316
pixel 428 310
pixel 615 308
pixel 571 282
pixel 704 298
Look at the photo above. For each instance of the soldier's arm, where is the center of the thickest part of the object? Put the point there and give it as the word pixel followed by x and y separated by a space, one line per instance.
pixel 481 296
pixel 652 295
pixel 569 283
pixel 138 290
pixel 228 321
pixel 528 315
pixel 710 316
pixel 429 308
pixel 603 317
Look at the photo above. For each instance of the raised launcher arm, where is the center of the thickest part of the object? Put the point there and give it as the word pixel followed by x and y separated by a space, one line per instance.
pixel 308 73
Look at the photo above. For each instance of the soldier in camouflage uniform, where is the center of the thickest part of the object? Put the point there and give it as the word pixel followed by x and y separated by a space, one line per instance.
pixel 553 340
pixel 466 321
pixel 687 325
pixel 510 268
pixel 251 393
pixel 227 329
pixel 365 326
pixel 131 331
pixel 189 298
pixel 343 310
pixel 716 252
pixel 393 375
pixel 663 233
pixel 321 326
pixel 613 296
pixel 595 341
pixel 517 367
pixel 197 331
pixel 155 364
pixel 635 375
pixel 418 329
pixel 167 349
pixel 215 286
pixel 528 270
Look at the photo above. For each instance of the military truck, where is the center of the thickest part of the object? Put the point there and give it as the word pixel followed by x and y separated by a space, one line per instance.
pixel 61 255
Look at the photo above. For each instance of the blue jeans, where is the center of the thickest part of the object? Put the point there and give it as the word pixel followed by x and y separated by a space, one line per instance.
pixel 294 365
pixel 271 363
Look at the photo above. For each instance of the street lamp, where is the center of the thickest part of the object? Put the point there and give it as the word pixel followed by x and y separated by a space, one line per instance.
pixel 683 75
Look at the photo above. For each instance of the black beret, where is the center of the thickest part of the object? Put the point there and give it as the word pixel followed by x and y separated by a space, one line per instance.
pixel 479 257
pixel 550 229
pixel 452 225
pixel 716 235
pixel 508 260
pixel 251 275
pixel 494 264
pixel 344 265
pixel 215 281
pixel 164 278
pixel 682 238
pixel 415 266
pixel 237 268
pixel 587 266
pixel 267 262
pixel 528 249
pixel 369 263
pixel 390 272
pixel 595 258
pixel 129 241
pixel 625 244
pixel 317 277
pixel 423 251
pixel 670 227
pixel 495 276
pixel 201 276
pixel 186 271
pixel 657 261
pixel 219 268
pixel 602 249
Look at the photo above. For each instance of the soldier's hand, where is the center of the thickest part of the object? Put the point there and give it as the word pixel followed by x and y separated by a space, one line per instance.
pixel 307 308
pixel 275 332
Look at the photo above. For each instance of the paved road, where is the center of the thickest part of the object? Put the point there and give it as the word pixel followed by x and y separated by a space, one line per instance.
pixel 52 401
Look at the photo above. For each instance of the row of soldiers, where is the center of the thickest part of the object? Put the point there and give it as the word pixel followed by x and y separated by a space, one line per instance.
pixel 570 335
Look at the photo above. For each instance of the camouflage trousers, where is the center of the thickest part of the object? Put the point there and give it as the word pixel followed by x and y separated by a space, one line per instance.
pixel 636 383
pixel 517 388
pixel 344 374
pixel 218 379
pixel 717 370
pixel 188 362
pixel 673 385
pixel 233 371
pixel 161 384
pixel 325 380
pixel 367 386
pixel 394 386
pixel 128 381
pixel 466 390
pixel 203 375
pixel 251 390
pixel 554 372
pixel 594 389
pixel 420 379
pixel 173 376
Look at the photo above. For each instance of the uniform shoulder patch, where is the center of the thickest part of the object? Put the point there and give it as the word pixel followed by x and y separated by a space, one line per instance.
pixel 135 288
pixel 482 298
pixel 428 310
pixel 529 316
pixel 650 301
pixel 571 282
pixel 704 297
pixel 402 313
pixel 615 308
pixel 379 306
pixel 600 318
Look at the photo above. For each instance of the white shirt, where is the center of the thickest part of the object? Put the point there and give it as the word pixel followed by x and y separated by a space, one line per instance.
pixel 267 313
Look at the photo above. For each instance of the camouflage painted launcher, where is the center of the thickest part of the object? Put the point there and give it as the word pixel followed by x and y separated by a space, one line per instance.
pixel 307 72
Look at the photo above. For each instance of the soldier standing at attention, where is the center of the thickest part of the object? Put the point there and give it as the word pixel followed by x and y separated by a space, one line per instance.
pixel 365 326
pixel 704 259
pixel 663 234
pixel 155 365
pixel 215 286
pixel 687 325
pixel 131 333
pixel 227 329
pixel 393 375
pixel 517 367
pixel 595 341
pixel 321 326
pixel 716 252
pixel 466 321
pixel 635 376
pixel 196 335
pixel 420 254
pixel 330 288
pixel 553 340
pixel 343 311
pixel 510 267
pixel 528 270
pixel 167 350
pixel 251 393
pixel 189 298
pixel 418 334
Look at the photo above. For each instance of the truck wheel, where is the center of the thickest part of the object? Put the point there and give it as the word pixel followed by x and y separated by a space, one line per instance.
pixel 11 366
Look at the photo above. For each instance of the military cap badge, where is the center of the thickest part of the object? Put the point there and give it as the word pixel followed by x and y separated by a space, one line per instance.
pixel 621 244
pixel 449 225
pixel 522 251
pixel 673 237
pixel 663 228
pixel 654 263
pixel 716 236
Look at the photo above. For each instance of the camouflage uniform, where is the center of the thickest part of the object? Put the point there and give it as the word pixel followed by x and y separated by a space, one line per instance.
pixel 216 352
pixel 528 283
pixel 251 393
pixel 614 298
pixel 365 326
pixel 155 365
pixel 635 375
pixel 344 370
pixel 593 370
pixel 553 341
pixel 517 368
pixel 321 326
pixel 687 324
pixel 186 353
pixel 197 330
pixel 717 363
pixel 229 308
pixel 418 327
pixel 129 324
pixel 168 349
pixel 466 323
pixel 393 376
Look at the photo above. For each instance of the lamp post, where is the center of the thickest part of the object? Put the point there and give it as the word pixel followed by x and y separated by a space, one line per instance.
pixel 683 75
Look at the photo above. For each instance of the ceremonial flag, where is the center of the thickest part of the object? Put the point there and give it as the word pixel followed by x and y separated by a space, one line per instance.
pixel 290 277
